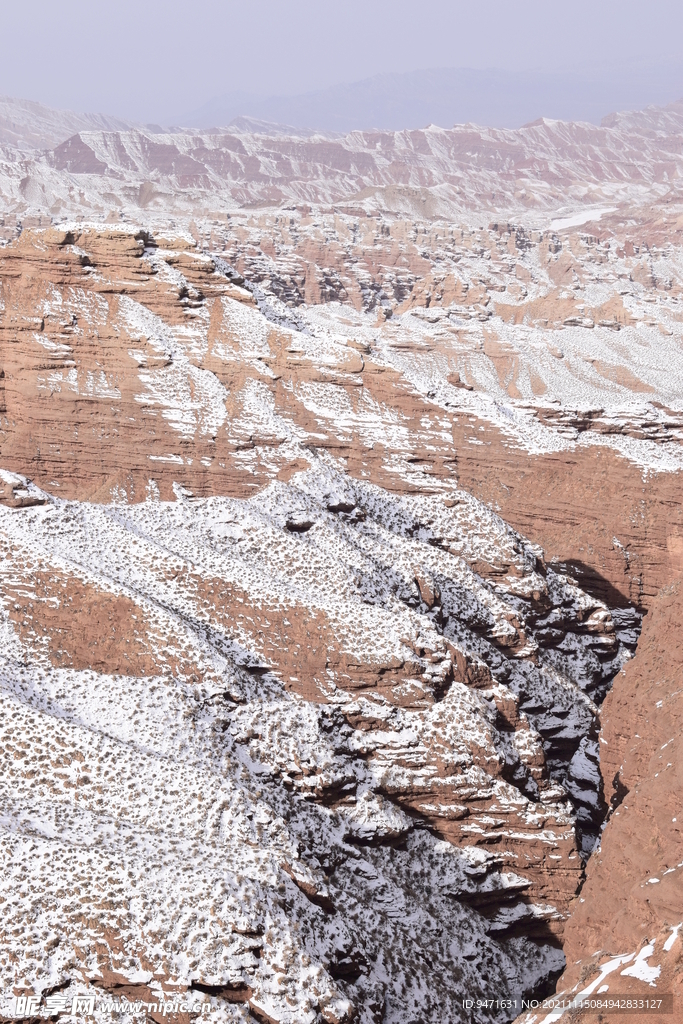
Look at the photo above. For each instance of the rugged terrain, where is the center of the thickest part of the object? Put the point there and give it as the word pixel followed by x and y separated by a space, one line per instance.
pixel 337 477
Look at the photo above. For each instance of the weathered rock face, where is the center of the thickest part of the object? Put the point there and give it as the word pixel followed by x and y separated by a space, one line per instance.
pixel 96 166
pixel 631 902
pixel 294 719
pixel 209 622
pixel 396 671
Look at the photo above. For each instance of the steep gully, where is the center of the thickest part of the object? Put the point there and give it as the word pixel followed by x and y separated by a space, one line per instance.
pixel 550 489
pixel 575 506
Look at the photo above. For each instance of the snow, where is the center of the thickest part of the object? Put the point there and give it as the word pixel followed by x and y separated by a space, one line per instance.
pixel 178 796
pixel 669 944
pixel 575 220
pixel 640 969
pixel 609 967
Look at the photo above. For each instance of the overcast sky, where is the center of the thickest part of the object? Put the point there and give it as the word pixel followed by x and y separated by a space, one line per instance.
pixel 154 61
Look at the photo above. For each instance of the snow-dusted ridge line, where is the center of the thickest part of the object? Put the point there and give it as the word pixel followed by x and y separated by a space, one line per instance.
pixel 536 169
pixel 232 735
pixel 332 746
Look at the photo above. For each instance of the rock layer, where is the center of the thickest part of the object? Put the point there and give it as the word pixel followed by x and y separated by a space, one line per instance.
pixel 467 721
pixel 324 536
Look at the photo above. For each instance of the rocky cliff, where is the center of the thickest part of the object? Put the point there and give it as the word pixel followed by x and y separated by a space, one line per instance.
pixel 327 537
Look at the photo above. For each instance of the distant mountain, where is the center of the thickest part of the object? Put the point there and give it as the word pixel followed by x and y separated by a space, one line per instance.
pixel 27 125
pixel 545 166
pixel 448 96
pixel 390 102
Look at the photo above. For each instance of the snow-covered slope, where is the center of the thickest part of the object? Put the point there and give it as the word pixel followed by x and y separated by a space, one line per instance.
pixel 293 722
pixel 29 126
pixel 467 169
pixel 269 716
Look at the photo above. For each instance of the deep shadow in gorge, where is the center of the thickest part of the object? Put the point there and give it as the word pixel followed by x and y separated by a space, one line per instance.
pixel 620 533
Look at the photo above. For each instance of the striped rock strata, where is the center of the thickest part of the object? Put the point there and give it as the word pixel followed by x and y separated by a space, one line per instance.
pixel 290 717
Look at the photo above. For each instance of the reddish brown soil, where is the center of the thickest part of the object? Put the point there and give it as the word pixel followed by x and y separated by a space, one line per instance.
pixel 574 505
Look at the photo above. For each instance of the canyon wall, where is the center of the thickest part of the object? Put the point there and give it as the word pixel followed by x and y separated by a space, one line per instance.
pixel 330 518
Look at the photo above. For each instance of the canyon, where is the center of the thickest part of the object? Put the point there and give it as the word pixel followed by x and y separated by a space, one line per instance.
pixel 342 546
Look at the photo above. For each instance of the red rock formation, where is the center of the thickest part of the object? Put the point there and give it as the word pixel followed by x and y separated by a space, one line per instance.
pixel 633 892
pixel 250 558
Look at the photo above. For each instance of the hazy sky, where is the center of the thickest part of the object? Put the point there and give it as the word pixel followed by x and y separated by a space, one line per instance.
pixel 153 61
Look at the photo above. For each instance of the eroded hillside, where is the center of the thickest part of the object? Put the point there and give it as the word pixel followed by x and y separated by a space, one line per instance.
pixel 325 535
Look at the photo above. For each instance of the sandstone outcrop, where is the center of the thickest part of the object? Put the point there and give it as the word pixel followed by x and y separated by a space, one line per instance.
pixel 324 536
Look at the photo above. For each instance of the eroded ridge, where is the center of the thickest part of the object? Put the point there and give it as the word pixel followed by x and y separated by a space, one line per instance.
pixel 323 728
pixel 290 716
pixel 293 719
